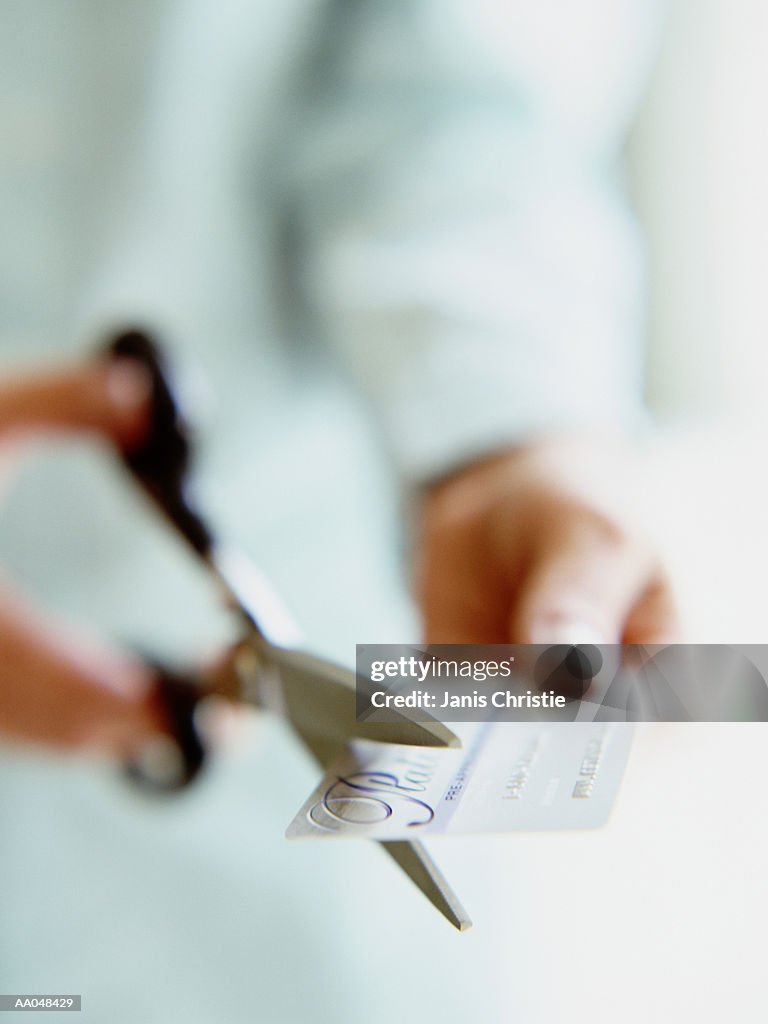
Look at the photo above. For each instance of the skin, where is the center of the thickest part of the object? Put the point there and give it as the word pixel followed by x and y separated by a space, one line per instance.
pixel 535 545
pixel 540 545
pixel 58 687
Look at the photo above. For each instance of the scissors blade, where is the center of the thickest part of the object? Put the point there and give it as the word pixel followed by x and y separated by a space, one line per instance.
pixel 319 699
pixel 414 860
pixel 318 696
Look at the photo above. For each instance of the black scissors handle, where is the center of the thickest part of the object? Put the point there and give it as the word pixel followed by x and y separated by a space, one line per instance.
pixel 174 760
pixel 160 463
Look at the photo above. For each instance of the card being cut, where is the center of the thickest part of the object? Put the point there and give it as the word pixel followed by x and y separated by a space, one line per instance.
pixel 508 776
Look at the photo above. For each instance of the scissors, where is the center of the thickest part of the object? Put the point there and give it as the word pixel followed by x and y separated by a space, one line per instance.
pixel 267 667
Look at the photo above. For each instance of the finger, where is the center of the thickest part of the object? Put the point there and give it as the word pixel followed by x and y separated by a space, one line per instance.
pixel 580 586
pixel 65 691
pixel 111 398
pixel 458 602
pixel 454 611
pixel 654 619
pixel 225 722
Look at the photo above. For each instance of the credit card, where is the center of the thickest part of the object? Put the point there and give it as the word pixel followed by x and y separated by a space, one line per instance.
pixel 507 777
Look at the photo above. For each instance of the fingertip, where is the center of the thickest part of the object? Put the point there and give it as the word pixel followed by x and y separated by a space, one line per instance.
pixel 224 724
pixel 127 389
pixel 578 593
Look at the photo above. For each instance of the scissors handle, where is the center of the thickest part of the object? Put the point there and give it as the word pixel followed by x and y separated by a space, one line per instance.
pixel 161 461
pixel 171 762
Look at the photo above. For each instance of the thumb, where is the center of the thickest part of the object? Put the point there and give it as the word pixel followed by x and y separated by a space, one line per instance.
pixel 108 397
pixel 579 589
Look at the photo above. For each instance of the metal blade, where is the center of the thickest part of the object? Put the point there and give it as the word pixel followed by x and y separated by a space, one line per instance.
pixel 319 700
pixel 410 857
pixel 423 872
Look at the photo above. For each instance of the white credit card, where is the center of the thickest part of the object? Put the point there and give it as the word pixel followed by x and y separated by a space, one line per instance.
pixel 508 776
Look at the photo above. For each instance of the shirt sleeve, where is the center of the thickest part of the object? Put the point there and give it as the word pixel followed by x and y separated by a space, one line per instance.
pixel 466 244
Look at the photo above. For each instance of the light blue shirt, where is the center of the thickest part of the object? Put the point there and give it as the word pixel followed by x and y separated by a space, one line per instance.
pixel 417 202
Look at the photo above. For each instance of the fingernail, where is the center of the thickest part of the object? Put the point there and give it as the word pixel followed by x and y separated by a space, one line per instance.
pixel 128 387
pixel 158 764
pixel 571 633
pixel 223 724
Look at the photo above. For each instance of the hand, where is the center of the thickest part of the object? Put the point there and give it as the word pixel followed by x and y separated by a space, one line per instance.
pixel 56 687
pixel 540 545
